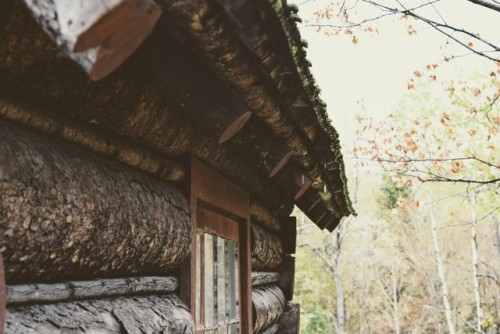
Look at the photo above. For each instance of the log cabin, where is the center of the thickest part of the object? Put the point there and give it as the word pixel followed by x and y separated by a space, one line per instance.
pixel 151 153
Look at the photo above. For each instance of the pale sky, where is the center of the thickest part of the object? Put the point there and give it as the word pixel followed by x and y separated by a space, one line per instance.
pixel 376 69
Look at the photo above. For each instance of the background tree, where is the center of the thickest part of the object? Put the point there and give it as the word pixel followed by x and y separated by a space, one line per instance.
pixel 350 17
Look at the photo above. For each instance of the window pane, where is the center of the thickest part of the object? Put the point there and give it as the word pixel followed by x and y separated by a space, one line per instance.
pixel 221 283
pixel 233 279
pixel 199 252
pixel 217 294
pixel 209 280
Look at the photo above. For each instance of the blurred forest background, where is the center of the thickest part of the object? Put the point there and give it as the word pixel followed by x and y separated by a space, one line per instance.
pixel 423 253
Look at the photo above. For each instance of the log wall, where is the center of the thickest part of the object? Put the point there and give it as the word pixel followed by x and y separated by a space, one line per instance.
pixel 267 249
pixel 151 314
pixel 268 305
pixel 78 217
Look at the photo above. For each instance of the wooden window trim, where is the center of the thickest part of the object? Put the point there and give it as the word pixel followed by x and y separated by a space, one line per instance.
pixel 210 191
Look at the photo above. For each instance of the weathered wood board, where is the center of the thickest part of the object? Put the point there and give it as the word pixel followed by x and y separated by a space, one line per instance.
pixel 152 314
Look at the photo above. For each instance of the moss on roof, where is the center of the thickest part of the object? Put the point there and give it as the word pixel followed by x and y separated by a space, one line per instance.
pixel 287 15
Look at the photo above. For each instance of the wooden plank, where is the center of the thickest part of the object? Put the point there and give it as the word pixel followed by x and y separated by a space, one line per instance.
pixel 264 278
pixel 41 293
pixel 289 235
pixel 211 192
pixel 210 187
pixel 98 35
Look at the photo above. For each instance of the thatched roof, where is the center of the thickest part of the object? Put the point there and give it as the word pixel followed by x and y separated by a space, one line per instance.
pixel 227 81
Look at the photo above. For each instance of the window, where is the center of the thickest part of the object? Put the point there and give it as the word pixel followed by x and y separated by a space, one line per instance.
pixel 220 268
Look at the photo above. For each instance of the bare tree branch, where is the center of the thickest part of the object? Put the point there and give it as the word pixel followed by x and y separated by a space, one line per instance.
pixel 486 4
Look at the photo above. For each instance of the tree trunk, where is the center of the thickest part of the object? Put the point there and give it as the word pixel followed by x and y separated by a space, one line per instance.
pixel 395 301
pixel 496 228
pixel 341 314
pixel 475 262
pixel 43 293
pixel 268 305
pixel 152 314
pixel 442 279
pixel 267 249
pixel 67 215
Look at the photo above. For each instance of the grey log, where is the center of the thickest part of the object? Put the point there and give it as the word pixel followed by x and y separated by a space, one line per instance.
pixel 42 293
pixel 152 314
pixel 267 249
pixel 268 306
pixel 65 214
pixel 263 278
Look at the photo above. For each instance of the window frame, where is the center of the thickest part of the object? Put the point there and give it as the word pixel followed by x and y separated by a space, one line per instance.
pixel 213 193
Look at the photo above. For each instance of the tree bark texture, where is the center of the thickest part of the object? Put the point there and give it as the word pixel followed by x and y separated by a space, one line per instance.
pixel 264 278
pixel 67 215
pixel 263 216
pixel 475 262
pixel 148 101
pixel 268 305
pixel 96 141
pixel 267 249
pixel 151 314
pixel 43 293
pixel 289 322
pixel 98 35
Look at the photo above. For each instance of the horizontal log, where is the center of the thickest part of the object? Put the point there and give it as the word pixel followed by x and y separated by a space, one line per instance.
pixel 98 35
pixel 145 102
pixel 65 214
pixel 43 293
pixel 151 314
pixel 268 306
pixel 267 249
pixel 264 278
pixel 96 141
pixel 261 215
pixel 289 322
